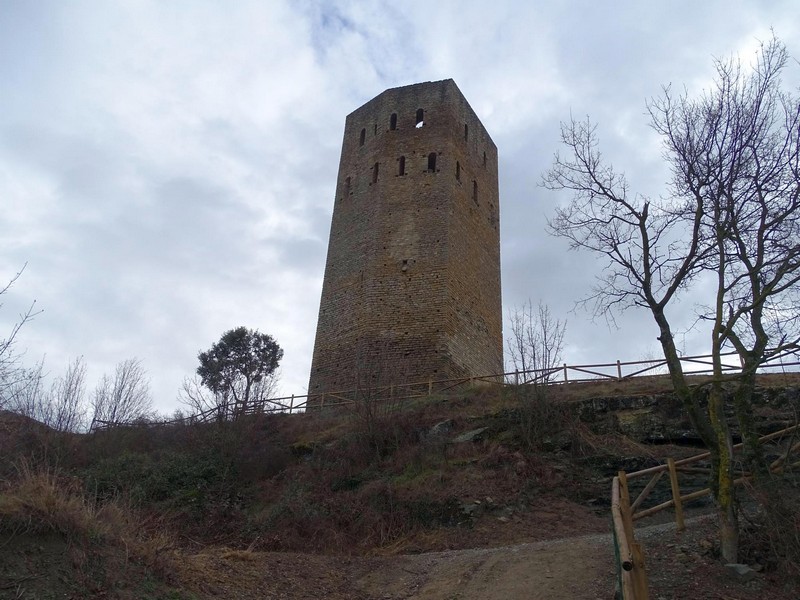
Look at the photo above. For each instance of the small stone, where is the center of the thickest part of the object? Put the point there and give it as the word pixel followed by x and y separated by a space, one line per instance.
pixel 503 519
pixel 441 429
pixel 740 572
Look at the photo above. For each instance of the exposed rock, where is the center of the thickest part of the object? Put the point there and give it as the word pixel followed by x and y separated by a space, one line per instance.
pixel 660 417
pixel 741 572
pixel 470 436
pixel 440 429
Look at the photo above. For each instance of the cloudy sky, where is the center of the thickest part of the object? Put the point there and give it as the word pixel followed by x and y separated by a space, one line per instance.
pixel 167 169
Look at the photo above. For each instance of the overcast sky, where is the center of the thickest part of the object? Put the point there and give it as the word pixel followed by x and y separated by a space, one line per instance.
pixel 167 169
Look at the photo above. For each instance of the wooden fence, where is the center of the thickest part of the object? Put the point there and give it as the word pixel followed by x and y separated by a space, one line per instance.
pixel 631 573
pixel 615 371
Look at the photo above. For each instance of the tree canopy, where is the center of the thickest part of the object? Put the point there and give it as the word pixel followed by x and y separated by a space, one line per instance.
pixel 240 368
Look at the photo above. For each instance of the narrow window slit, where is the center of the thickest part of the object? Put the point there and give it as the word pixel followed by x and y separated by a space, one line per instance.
pixel 432 162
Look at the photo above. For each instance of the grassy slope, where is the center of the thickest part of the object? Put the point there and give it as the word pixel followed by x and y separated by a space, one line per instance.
pixel 121 502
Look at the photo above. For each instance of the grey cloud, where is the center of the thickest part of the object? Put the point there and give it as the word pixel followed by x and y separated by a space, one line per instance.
pixel 170 174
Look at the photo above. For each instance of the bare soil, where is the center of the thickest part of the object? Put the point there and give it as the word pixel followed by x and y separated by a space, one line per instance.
pixel 679 565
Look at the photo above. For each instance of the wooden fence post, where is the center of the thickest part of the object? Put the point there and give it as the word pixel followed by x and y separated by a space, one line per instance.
pixel 639 572
pixel 625 505
pixel 291 404
pixel 566 377
pixel 619 371
pixel 676 494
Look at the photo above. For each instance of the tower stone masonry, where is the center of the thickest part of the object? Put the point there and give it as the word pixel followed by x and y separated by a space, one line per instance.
pixel 412 279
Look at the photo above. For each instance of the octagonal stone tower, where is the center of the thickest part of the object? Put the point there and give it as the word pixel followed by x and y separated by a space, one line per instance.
pixel 412 278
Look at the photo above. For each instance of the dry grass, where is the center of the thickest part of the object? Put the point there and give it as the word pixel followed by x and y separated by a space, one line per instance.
pixel 41 500
pixel 37 499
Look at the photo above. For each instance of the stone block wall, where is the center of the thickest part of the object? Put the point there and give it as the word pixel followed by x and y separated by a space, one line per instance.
pixel 412 278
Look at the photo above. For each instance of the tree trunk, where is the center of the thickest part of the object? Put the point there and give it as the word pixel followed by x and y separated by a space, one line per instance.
pixel 728 532
pixel 722 476
pixel 743 406
pixel 682 390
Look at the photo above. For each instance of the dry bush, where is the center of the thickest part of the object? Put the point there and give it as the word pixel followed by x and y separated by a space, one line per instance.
pixel 540 416
pixel 41 500
pixel 771 536
pixel 38 500
pixel 585 442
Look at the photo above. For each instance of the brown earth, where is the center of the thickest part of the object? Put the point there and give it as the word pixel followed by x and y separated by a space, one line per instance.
pixel 576 568
pixel 417 518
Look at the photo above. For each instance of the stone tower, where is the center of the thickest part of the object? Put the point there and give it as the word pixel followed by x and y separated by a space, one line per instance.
pixel 412 278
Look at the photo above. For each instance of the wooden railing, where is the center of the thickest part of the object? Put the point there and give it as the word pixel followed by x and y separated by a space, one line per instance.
pixel 616 371
pixel 631 573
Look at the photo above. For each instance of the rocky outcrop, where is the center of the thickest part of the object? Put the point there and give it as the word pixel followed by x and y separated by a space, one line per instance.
pixel 659 418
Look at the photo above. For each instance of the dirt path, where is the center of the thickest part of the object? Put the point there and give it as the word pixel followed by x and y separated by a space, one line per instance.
pixel 680 566
pixel 567 569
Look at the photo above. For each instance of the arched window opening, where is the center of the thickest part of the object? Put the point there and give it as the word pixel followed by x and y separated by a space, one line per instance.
pixel 346 187
pixel 432 162
pixel 393 122
pixel 458 170
pixel 475 191
pixel 420 118
pixel 363 137
pixel 466 131
pixel 401 167
pixel 375 173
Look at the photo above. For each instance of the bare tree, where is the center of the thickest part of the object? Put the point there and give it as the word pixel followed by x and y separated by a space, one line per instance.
pixel 123 398
pixel 68 398
pixel 62 407
pixel 731 215
pixel 534 349
pixel 12 374
pixel 27 396
pixel 202 400
pixel 536 342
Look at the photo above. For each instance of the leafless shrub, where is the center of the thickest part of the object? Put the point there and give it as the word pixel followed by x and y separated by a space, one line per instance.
pixel 375 407
pixel 771 536
pixel 123 398
pixel 201 401
pixel 535 347
pixel 12 374
pixel 68 398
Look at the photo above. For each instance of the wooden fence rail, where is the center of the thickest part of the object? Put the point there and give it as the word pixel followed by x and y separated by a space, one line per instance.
pixel 631 573
pixel 616 371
